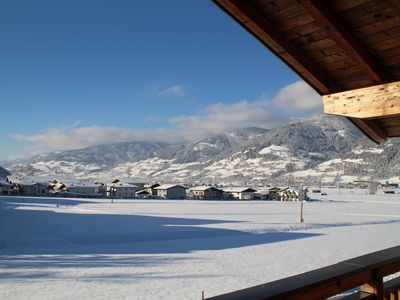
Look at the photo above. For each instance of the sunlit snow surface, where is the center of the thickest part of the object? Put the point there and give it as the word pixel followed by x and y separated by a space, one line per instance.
pixel 152 249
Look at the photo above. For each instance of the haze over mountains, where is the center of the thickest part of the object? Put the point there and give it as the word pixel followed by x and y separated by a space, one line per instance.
pixel 322 148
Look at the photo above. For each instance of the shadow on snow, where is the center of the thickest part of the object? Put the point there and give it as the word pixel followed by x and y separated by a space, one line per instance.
pixel 31 239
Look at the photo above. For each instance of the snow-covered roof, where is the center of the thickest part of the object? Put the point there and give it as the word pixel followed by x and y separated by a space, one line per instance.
pixel 151 185
pixel 28 180
pixel 121 184
pixel 81 184
pixel 239 190
pixel 142 192
pixel 3 183
pixel 204 188
pixel 169 186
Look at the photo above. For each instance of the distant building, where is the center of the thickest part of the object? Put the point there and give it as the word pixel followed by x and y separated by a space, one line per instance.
pixel 151 188
pixel 206 192
pixel 390 185
pixel 34 188
pixel 119 189
pixel 241 193
pixel 6 188
pixel 171 191
pixel 272 193
pixel 85 188
pixel 143 194
pixel 139 185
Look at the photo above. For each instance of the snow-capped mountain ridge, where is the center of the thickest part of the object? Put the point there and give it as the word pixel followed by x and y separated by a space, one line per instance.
pixel 322 147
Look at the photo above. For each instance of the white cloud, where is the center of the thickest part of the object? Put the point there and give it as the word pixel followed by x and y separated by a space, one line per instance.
pixel 298 98
pixel 292 100
pixel 220 117
pixel 76 138
pixel 175 90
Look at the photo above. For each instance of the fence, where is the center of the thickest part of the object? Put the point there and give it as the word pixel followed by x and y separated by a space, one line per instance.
pixel 371 276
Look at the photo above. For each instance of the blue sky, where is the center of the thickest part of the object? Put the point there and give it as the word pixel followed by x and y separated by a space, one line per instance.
pixel 79 73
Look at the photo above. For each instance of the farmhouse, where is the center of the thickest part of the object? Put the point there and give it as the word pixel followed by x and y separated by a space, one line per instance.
pixel 151 188
pixel 241 193
pixel 6 188
pixel 30 188
pixel 119 189
pixel 142 194
pixel 84 188
pixel 206 192
pixel 171 191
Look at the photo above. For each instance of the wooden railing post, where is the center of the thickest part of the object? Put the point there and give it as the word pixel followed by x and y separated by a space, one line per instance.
pixel 375 287
pixel 364 272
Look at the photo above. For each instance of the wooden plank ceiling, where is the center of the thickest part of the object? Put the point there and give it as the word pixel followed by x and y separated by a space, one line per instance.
pixel 334 45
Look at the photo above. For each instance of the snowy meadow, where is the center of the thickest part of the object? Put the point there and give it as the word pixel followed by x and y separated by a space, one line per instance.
pixel 53 248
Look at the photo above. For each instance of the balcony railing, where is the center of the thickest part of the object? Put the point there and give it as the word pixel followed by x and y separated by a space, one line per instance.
pixel 371 276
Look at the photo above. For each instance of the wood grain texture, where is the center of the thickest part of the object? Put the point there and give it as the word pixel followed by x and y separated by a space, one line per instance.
pixel 371 102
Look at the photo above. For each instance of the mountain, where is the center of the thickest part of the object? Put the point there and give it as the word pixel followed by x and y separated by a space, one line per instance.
pixel 322 148
pixel 3 173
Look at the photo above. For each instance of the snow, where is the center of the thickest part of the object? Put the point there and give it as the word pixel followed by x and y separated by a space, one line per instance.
pixel 274 149
pixel 203 145
pixel 371 150
pixel 91 249
pixel 342 133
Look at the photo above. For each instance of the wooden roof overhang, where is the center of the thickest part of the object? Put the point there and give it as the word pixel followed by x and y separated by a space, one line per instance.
pixel 347 50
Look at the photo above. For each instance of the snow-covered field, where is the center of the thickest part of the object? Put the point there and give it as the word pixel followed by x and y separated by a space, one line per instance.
pixel 91 249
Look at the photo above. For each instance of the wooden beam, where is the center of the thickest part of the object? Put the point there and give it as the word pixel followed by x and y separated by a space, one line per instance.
pixel 371 102
pixel 252 20
pixel 396 6
pixel 343 36
pixel 372 130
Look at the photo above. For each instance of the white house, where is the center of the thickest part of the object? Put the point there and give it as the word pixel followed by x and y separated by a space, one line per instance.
pixel 6 188
pixel 119 189
pixel 30 188
pixel 171 191
pixel 241 193
pixel 206 192
pixel 30 185
pixel 151 188
pixel 85 188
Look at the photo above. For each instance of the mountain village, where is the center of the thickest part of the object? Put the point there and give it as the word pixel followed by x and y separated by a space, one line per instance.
pixel 243 164
pixel 48 186
pixel 125 189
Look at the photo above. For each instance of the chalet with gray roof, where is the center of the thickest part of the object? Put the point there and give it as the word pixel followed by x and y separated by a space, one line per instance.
pixel 117 188
pixel 206 192
pixel 241 193
pixel 151 188
pixel 171 191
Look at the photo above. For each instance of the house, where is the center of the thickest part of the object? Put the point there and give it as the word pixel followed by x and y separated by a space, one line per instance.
pixel 143 194
pixel 151 188
pixel 30 185
pixel 57 186
pixel 241 193
pixel 390 185
pixel 171 191
pixel 206 192
pixel 6 188
pixel 84 188
pixel 33 188
pixel 139 185
pixel 272 193
pixel 119 189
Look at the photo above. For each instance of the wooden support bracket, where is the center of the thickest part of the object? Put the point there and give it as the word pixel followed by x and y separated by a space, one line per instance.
pixel 371 102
